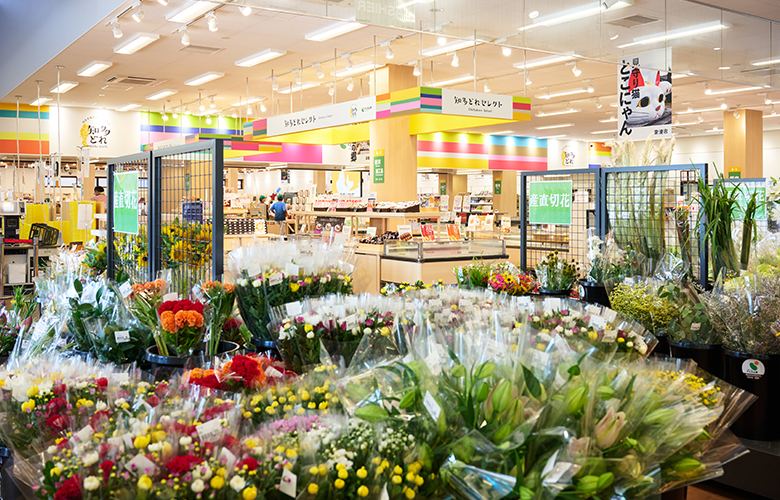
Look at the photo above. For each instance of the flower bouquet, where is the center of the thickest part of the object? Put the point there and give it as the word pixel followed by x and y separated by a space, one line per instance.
pixel 506 278
pixel 640 301
pixel 12 321
pixel 145 299
pixel 474 275
pixel 240 373
pixel 181 327
pixel 221 301
pixel 555 274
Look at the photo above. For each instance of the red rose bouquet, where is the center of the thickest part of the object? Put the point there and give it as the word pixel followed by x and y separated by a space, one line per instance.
pixel 181 327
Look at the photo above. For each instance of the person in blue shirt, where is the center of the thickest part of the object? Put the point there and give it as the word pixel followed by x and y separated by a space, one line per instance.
pixel 279 209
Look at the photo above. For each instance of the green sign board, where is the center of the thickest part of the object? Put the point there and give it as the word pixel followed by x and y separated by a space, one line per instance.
pixel 379 167
pixel 497 186
pixel 442 187
pixel 743 197
pixel 125 191
pixel 549 202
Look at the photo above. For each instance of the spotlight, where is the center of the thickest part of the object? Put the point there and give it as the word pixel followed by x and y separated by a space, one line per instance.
pixel 389 54
pixel 724 106
pixel 736 114
pixel 212 21
pixel 598 103
pixel 773 110
pixel 331 90
pixel 175 114
pixel 275 85
pixel 455 60
pixel 208 120
pixel 351 85
pixel 249 110
pixel 298 77
pixel 577 71
pixel 212 104
pixel 590 87
pixel 202 107
pixel 707 89
pixel 320 74
pixel 441 39
pixel 528 78
pixel 138 15
pixel 349 62
pixel 767 100
pixel 416 71
pixel 117 29
pixel 164 117
pixel 234 115
pixel 486 88
pixel 245 10
pixel 506 51
pixel 263 109
pixel 700 118
pixel 185 37
pixel 533 14
pixel 187 110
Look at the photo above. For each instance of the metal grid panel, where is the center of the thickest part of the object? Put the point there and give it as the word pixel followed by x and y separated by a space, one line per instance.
pixel 647 209
pixel 128 253
pixel 538 240
pixel 188 186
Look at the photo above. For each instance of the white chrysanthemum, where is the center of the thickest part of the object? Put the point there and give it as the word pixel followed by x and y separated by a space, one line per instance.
pixel 185 440
pixel 91 483
pixel 237 483
pixel 197 486
pixel 90 459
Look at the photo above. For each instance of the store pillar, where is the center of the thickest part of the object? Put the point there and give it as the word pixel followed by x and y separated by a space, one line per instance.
pixel 743 143
pixel 391 136
pixel 505 192
pixel 460 185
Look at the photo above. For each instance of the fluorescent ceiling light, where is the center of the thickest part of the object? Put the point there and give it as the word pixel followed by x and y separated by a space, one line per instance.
pixel 332 31
pixel 94 68
pixel 41 101
pixel 136 43
pixel 359 68
pixel 552 136
pixel 63 87
pixel 611 131
pixel 260 57
pixel 609 120
pixel 453 46
pixel 561 93
pixel 161 94
pixel 191 11
pixel 543 61
pixel 251 100
pixel 556 113
pixel 574 14
pixel 732 91
pixel 550 127
pixel 204 78
pixel 766 63
pixel 452 81
pixel 686 124
pixel 678 76
pixel 504 132
pixel 129 106
pixel 692 111
pixel 674 34
pixel 297 88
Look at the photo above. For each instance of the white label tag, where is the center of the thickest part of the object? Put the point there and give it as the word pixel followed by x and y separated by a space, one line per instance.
pixel 540 360
pixel 230 458
pixel 431 405
pixel 291 269
pixel 293 308
pixel 695 327
pixel 629 281
pixel 122 336
pixel 434 303
pixel 121 377
pixel 592 310
pixel 209 430
pixel 289 483
pixel 548 467
pixel 197 292
pixel 170 296
pixel 465 303
pixel 89 294
pixel 609 336
pixel 598 323
pixel 85 434
pixel 275 279
pixel 117 442
pixel 384 495
pixel 272 372
pixel 557 472
pixel 141 465
pixel 552 304
pixel 610 315
pixel 126 289
pixel 351 322
pixel 25 344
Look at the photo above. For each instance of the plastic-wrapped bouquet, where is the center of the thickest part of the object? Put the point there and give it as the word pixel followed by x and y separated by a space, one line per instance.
pixel 506 278
pixel 221 300
pixel 181 327
pixel 13 320
pixel 639 300
pixel 556 274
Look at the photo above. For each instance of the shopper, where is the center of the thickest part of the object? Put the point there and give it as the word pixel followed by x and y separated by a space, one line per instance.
pixel 279 210
pixel 100 195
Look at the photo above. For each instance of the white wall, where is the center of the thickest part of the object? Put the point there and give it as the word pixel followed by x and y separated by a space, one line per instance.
pixel 709 149
pixel 124 137
pixel 556 146
pixel 27 182
pixel 268 182
pixel 428 183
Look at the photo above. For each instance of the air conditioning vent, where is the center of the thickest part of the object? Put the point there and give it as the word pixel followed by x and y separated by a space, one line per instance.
pixel 633 21
pixel 200 49
pixel 132 81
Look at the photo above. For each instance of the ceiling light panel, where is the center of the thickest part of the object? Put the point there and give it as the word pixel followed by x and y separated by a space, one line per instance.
pixel 675 34
pixel 129 106
pixel 574 14
pixel 41 101
pixel 550 127
pixel 136 43
pixel 204 78
pixel 562 93
pixel 63 87
pixel 543 61
pixel 162 94
pixel 251 100
pixel 452 81
pixel 297 88
pixel 356 69
pixel 260 57
pixel 334 30
pixel 94 68
pixel 191 11
pixel 542 114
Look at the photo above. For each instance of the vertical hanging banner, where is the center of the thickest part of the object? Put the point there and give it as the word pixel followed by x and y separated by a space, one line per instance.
pixel 379 167
pixel 549 202
pixel 125 191
pixel 645 96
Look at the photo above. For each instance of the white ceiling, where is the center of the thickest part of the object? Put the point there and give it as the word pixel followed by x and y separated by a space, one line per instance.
pixel 170 64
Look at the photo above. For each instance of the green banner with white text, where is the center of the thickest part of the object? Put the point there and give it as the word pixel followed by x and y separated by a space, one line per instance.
pixel 125 191
pixel 549 202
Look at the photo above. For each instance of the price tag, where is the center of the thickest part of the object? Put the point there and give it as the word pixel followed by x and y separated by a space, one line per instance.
pixel 610 315
pixel 609 336
pixel 141 465
pixel 25 344
pixel 465 303
pixel 210 430
pixel 289 483
pixel 126 289
pixel 434 303
pixel 351 322
pixel 592 310
pixel 598 323
pixel 122 336
pixel 340 239
pixel 117 442
pixel 121 377
pixel 629 281
pixel 197 292
pixel 275 279
pixel 272 372
pixel 410 306
pixel 695 327
pixel 291 269
pixel 293 308
pixel 90 293
pixel 540 360
pixel 85 434
pixel 170 296
pixel 230 458
pixel 431 405
pixel 552 304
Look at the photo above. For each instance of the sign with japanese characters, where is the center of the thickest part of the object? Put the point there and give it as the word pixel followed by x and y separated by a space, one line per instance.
pixel 549 202
pixel 125 191
pixel 379 167
pixel 95 132
pixel 645 96
pixel 744 193
pixel 343 113
pixel 459 102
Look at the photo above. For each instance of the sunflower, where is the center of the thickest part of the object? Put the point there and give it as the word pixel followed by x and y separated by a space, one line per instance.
pixel 179 252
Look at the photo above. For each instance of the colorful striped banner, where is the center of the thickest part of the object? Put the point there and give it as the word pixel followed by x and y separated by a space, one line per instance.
pixel 27 128
pixel 599 155
pixel 484 152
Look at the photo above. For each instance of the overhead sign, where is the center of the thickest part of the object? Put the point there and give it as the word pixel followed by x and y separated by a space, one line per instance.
pixel 549 202
pixel 343 113
pixel 460 102
pixel 744 193
pixel 125 191
pixel 95 132
pixel 645 96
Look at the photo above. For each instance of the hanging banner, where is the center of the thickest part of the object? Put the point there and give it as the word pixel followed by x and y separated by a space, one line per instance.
pixel 125 191
pixel 645 96
pixel 379 167
pixel 549 202
pixel 463 103
pixel 343 113
pixel 744 193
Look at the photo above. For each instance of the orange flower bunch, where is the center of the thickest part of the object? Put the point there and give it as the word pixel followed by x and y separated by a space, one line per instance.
pixel 150 287
pixel 172 322
pixel 207 287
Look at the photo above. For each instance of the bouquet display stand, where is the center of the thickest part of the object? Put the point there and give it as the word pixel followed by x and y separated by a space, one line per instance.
pixel 709 357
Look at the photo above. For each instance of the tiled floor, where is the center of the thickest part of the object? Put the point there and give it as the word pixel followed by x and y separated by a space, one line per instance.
pixel 715 491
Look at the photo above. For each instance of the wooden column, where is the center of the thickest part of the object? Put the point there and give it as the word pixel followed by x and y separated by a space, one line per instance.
pixel 743 143
pixel 506 202
pixel 392 136
pixel 460 184
pixel 321 179
pixel 232 179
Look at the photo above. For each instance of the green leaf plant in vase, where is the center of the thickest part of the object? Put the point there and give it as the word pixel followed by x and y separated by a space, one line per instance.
pixel 221 300
pixel 556 276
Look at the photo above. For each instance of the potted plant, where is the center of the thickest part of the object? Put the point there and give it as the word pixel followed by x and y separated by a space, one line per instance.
pixel 556 276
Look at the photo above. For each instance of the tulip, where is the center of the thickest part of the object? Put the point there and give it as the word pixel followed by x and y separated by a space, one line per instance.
pixel 608 429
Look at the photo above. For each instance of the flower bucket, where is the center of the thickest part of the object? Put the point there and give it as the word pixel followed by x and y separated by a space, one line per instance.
pixel 662 349
pixel 595 293
pixel 8 486
pixel 678 494
pixel 3 360
pixel 174 364
pixel 760 375
pixel 342 350
pixel 709 357
pixel 554 293
pixel 267 347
